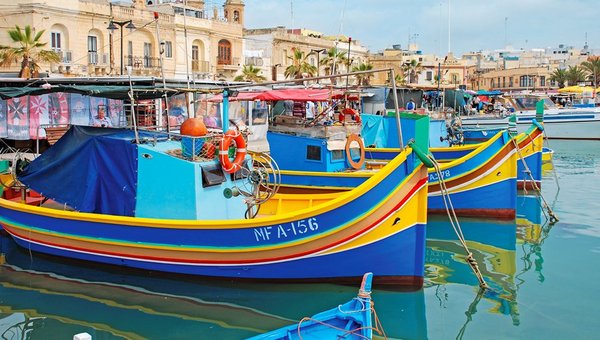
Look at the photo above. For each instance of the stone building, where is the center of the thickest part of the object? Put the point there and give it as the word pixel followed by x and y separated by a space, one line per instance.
pixel 196 41
pixel 271 49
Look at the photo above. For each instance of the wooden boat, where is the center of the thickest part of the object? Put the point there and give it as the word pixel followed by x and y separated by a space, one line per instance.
pixel 142 205
pixel 530 150
pixel 352 320
pixel 481 180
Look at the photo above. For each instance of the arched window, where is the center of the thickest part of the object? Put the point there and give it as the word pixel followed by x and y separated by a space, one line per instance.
pixel 224 54
pixel 236 16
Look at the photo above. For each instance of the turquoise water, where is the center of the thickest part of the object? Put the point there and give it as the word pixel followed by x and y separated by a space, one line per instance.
pixel 542 278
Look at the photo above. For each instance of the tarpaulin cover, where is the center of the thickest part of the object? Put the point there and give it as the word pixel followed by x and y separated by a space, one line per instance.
pixel 89 169
pixel 104 91
pixel 300 95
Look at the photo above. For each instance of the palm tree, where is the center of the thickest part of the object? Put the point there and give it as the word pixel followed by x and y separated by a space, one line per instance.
pixel 575 74
pixel 29 51
pixel 333 60
pixel 559 76
pixel 365 78
pixel 412 70
pixel 399 78
pixel 592 67
pixel 300 66
pixel 250 73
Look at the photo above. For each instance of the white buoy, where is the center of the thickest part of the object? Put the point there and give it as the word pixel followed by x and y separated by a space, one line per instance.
pixel 82 336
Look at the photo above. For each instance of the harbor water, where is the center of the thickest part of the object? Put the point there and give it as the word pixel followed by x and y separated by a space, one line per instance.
pixel 542 277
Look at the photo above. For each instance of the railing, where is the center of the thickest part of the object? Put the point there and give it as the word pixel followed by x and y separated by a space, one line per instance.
pixel 231 61
pixel 66 57
pixel 200 66
pixel 141 61
pixel 95 58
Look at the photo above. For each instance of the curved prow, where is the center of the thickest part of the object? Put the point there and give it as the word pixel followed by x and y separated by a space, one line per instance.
pixel 365 286
pixel 537 124
pixel 423 156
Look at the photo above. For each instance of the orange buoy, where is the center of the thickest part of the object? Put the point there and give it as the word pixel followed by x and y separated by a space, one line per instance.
pixel 193 127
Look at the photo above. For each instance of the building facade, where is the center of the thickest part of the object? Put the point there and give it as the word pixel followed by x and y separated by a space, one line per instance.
pixel 205 44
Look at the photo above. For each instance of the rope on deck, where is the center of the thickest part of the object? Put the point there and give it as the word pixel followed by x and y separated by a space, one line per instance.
pixel 456 225
pixel 551 216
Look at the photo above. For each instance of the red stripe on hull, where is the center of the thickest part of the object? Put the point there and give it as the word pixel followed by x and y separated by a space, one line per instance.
pixel 415 188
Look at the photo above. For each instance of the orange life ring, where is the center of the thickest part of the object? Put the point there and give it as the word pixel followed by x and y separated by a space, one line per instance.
pixel 240 151
pixel 355 138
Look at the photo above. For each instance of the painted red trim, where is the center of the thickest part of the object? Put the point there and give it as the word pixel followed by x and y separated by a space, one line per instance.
pixel 416 187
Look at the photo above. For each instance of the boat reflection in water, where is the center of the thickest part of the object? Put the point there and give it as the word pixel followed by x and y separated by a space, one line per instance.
pixel 492 243
pixel 532 230
pixel 43 295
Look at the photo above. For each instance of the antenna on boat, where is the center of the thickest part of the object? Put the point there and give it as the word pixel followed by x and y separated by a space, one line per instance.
pixel 398 123
pixel 162 71
pixel 133 113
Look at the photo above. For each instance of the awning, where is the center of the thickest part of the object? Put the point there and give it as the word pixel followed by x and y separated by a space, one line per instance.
pixel 301 95
pixel 103 91
pixel 576 89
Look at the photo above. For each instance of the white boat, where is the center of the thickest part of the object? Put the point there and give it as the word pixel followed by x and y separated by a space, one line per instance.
pixel 559 122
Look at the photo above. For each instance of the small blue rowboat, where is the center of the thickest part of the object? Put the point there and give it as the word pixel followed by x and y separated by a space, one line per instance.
pixel 352 320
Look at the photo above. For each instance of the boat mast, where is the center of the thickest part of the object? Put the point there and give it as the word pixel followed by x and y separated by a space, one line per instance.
pixel 161 51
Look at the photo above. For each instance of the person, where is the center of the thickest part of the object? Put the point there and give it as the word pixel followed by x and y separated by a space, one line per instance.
pixel 310 110
pixel 411 105
pixel 101 120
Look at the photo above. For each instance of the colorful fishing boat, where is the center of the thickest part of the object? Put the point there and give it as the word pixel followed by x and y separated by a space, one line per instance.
pixel 352 320
pixel 194 222
pixel 480 180
pixel 529 151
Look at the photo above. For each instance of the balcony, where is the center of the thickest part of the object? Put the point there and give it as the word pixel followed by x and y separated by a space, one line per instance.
pixel 95 58
pixel 143 65
pixel 200 66
pixel 232 64
pixel 66 57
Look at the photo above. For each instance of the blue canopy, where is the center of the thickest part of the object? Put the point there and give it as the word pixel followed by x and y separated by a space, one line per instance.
pixel 489 93
pixel 89 169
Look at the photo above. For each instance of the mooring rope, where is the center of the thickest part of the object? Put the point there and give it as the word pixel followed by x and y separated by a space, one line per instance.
pixel 456 225
pixel 545 206
pixel 377 326
pixel 547 140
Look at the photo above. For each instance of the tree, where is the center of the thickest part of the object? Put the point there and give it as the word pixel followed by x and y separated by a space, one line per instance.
pixel 592 68
pixel 559 76
pixel 575 74
pixel 300 65
pixel 250 73
pixel 412 70
pixel 333 60
pixel 29 50
pixel 365 78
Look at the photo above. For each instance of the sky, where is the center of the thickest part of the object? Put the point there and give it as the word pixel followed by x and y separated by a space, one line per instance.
pixel 475 25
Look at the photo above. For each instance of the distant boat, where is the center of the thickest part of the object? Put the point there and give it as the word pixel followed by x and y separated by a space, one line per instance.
pixel 352 320
pixel 559 122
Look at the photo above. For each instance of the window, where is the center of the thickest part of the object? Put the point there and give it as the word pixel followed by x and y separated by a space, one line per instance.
pixel 337 155
pixel 195 64
pixel 129 53
pixel 313 152
pixel 542 80
pixel 429 75
pixel 168 49
pixel 55 41
pixel 224 53
pixel 147 54
pixel 526 81
pixel 236 16
pixel 92 49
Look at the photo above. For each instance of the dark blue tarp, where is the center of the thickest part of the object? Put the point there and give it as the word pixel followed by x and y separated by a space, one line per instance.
pixel 89 169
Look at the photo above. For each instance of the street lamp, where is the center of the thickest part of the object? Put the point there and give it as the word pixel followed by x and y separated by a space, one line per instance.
pixel 319 51
pixel 112 26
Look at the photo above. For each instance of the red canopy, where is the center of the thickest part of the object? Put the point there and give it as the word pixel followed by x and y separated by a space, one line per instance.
pixel 300 95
